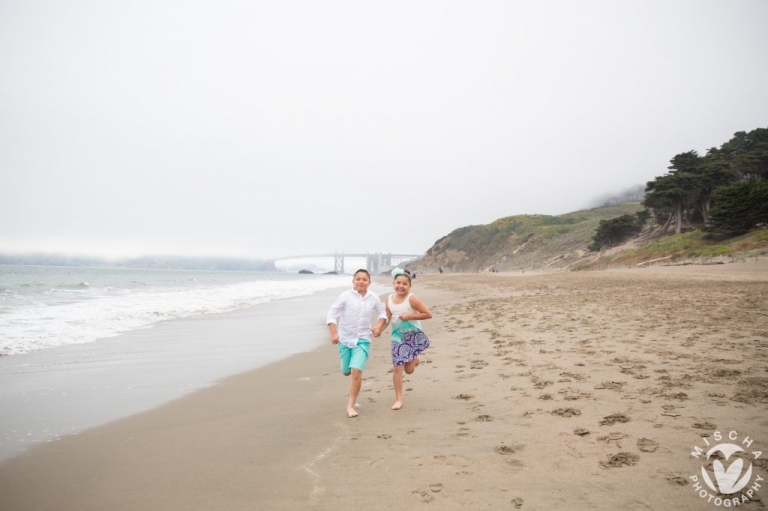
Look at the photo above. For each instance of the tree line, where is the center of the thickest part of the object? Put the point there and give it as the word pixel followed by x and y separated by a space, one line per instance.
pixel 724 191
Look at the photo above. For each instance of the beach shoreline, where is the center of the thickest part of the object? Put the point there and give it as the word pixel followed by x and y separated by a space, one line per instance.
pixel 51 393
pixel 553 391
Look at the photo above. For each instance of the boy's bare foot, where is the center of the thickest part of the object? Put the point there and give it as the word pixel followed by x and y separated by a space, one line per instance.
pixel 417 362
pixel 397 405
pixel 351 411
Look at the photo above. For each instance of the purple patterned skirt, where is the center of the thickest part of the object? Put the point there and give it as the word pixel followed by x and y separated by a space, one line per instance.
pixel 413 342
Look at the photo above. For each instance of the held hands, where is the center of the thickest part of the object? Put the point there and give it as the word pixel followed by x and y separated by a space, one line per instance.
pixel 380 326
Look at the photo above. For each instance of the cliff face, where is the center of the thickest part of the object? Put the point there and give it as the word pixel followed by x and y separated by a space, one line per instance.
pixel 522 242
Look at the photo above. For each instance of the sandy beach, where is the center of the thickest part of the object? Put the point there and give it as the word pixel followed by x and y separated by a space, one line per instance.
pixel 540 391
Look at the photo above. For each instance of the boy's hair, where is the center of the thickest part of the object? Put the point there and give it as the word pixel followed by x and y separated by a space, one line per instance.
pixel 361 270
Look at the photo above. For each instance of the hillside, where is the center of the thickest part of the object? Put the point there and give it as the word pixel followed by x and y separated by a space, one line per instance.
pixel 535 242
pixel 521 242
pixel 690 247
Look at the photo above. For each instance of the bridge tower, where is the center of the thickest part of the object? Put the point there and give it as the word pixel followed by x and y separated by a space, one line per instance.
pixel 338 263
pixel 372 263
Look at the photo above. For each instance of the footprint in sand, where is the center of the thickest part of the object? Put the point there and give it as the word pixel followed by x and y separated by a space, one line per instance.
pixel 464 396
pixel 517 502
pixel 577 396
pixel 680 481
pixel 622 459
pixel 612 419
pixel 384 436
pixel 612 385
pixel 581 431
pixel 705 425
pixel 508 449
pixel 647 445
pixel 566 412
pixel 436 487
pixel 614 437
pixel 462 432
pixel 484 418
pixel 668 411
pixel 727 373
pixel 425 495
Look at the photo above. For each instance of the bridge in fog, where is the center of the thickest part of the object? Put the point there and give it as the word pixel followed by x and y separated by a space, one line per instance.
pixel 374 263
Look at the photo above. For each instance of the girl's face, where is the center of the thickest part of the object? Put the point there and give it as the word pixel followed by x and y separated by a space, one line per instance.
pixel 402 285
pixel 360 282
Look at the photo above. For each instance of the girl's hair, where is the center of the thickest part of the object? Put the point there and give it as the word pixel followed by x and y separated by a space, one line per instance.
pixel 406 273
pixel 362 271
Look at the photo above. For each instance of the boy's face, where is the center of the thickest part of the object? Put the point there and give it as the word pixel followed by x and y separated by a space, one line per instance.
pixel 361 282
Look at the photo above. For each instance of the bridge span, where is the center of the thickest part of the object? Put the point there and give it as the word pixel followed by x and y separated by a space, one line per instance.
pixel 374 263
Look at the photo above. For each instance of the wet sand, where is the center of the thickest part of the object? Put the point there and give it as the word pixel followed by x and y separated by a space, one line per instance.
pixel 539 391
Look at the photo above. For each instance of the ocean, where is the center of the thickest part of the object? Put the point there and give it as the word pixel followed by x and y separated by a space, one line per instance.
pixel 86 346
pixel 44 307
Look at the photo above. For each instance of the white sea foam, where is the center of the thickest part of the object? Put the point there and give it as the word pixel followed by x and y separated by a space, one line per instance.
pixel 76 314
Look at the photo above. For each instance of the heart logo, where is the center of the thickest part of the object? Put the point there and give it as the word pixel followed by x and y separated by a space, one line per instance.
pixel 728 480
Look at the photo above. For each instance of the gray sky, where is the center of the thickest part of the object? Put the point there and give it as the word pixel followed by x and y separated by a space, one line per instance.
pixel 297 127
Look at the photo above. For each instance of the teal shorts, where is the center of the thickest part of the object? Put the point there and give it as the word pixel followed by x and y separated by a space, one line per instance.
pixel 354 358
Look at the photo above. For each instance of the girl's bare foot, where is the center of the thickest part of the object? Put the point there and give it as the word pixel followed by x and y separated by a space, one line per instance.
pixel 351 411
pixel 397 405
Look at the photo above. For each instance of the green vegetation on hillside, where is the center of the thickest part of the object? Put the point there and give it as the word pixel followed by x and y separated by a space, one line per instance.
pixel 521 241
pixel 616 230
pixel 688 246
pixel 725 190
pixel 740 206
pixel 715 199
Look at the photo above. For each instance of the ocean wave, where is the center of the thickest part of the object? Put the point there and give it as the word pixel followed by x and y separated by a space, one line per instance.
pixel 79 285
pixel 39 325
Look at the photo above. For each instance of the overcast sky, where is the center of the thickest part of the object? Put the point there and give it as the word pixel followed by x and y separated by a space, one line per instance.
pixel 259 128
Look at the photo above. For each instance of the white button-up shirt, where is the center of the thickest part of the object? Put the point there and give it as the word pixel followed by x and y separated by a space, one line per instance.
pixel 354 312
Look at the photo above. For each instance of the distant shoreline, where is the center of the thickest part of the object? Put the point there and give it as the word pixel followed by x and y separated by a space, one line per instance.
pixel 143 262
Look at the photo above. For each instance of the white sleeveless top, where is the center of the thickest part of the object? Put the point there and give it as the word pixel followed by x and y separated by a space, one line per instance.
pixel 402 308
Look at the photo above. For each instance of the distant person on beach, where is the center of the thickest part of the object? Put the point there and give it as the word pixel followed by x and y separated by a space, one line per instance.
pixel 405 313
pixel 353 309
